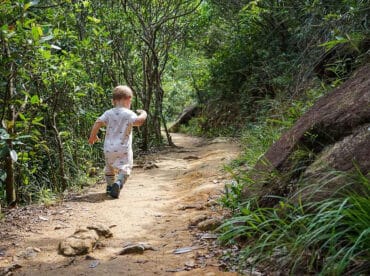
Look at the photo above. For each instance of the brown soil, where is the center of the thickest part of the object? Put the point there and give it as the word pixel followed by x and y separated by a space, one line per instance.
pixel 155 207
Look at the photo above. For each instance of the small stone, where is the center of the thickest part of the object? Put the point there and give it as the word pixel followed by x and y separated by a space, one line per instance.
pixel 195 220
pixel 28 253
pixel 149 247
pixel 149 166
pixel 183 250
pixel 8 270
pixel 94 264
pixel 132 249
pixel 191 157
pixel 190 264
pixel 211 203
pixel 208 236
pixel 209 224
pixel 80 243
pixel 252 273
pixel 101 230
pixel 43 218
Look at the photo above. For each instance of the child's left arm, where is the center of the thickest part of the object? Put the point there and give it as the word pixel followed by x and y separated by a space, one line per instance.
pixel 94 132
pixel 141 118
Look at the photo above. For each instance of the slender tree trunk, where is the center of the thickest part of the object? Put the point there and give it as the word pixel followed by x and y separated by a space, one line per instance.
pixel 159 107
pixel 169 138
pixel 62 173
pixel 9 181
pixel 9 167
pixel 145 101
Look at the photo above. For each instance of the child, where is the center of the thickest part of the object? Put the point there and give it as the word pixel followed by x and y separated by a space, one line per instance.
pixel 118 139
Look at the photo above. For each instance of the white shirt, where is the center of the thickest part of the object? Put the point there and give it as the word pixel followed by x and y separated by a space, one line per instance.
pixel 118 137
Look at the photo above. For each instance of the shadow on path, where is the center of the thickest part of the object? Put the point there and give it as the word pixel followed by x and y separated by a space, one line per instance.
pixel 90 197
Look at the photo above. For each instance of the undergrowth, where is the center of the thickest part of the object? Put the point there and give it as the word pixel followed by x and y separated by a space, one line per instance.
pixel 329 237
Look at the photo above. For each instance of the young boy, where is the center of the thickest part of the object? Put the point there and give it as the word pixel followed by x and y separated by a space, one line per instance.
pixel 118 139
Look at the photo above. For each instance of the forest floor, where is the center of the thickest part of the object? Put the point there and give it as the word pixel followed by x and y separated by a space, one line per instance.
pixel 166 191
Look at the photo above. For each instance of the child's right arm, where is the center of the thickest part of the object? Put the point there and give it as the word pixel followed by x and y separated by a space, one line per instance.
pixel 94 132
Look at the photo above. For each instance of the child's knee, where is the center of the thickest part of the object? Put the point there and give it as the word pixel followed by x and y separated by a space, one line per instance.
pixel 109 171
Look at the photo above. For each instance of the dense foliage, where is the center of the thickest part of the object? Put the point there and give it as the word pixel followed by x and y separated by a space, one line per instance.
pixel 276 60
pixel 59 63
pixel 260 51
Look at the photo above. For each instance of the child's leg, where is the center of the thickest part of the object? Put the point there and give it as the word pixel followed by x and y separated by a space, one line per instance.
pixel 110 181
pixel 123 167
pixel 109 177
pixel 118 185
pixel 122 178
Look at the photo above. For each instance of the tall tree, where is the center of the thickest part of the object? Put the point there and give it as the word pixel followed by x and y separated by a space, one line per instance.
pixel 142 49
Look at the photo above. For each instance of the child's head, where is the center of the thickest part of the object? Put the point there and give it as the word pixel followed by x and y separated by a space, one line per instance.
pixel 122 95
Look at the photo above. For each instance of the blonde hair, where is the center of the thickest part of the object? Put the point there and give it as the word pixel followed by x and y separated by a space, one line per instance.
pixel 121 92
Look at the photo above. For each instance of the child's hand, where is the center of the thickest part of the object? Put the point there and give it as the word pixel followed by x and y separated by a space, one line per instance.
pixel 93 139
pixel 140 111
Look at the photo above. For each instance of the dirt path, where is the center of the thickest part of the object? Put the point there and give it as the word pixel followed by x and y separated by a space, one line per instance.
pixel 154 208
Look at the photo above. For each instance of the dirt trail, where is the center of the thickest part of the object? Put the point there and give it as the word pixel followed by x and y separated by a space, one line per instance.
pixel 155 207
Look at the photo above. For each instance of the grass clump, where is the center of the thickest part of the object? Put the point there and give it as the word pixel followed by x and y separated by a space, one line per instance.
pixel 329 237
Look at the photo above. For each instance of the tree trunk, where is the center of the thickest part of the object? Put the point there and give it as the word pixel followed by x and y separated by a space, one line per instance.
pixel 9 181
pixel 169 138
pixel 160 94
pixel 9 168
pixel 62 173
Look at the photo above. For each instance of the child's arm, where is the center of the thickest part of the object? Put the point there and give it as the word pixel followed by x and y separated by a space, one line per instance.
pixel 141 118
pixel 94 132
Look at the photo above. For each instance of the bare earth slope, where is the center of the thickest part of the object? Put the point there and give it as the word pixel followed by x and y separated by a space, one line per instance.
pixel 154 208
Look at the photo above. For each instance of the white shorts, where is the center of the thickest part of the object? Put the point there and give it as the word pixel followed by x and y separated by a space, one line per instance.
pixel 118 161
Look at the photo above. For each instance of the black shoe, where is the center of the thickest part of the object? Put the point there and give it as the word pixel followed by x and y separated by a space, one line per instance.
pixel 116 189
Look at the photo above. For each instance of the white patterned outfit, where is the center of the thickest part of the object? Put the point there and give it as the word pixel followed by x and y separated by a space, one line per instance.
pixel 118 140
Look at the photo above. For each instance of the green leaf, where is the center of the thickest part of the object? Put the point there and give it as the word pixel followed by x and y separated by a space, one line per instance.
pixel 80 94
pixel 332 43
pixel 93 19
pixel 35 99
pixel 23 118
pixel 24 137
pixel 4 28
pixel 37 123
pixel 86 4
pixel 46 54
pixel 95 32
pixel 37 119
pixel 36 32
pixel 24 157
pixel 27 6
pixel 30 4
pixel 64 134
